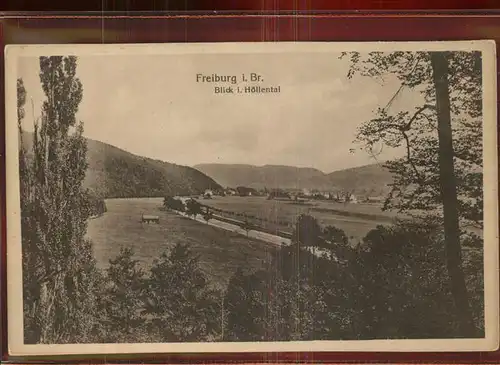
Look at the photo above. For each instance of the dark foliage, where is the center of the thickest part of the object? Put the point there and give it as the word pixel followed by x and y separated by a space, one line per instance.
pixel 94 205
pixel 393 285
pixel 307 231
pixel 179 301
pixel 174 204
pixel 440 175
pixel 208 214
pixel 124 299
pixel 193 208
pixel 60 279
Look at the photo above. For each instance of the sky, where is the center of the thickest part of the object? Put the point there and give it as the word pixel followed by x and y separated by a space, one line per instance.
pixel 151 105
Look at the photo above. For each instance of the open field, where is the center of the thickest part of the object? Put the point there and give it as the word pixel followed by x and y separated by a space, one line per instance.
pixel 355 219
pixel 221 251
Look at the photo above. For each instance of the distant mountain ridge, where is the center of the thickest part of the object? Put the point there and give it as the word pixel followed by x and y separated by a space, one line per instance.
pixel 116 173
pixel 258 177
pixel 369 179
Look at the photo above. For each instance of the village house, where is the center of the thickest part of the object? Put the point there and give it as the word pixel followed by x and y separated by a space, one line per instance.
pixel 245 191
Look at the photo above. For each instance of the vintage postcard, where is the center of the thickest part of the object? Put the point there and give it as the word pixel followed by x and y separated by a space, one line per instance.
pixel 252 197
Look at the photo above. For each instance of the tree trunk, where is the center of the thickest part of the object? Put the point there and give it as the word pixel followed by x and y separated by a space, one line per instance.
pixel 448 186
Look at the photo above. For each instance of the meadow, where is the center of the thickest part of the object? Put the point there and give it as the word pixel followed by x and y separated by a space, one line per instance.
pixel 221 252
pixel 355 219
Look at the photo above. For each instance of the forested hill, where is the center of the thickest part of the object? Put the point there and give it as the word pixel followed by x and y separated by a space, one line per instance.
pixel 115 173
pixel 258 177
pixel 370 180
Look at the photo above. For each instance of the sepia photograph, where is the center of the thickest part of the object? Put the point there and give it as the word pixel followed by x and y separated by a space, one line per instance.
pixel 242 197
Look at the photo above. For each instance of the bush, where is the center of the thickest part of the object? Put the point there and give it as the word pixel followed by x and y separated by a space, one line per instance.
pixel 405 282
pixel 123 298
pixel 179 300
pixel 193 207
pixel 207 214
pixel 174 204
pixel 298 297
pixel 307 231
pixel 335 236
pixel 94 204
pixel 243 309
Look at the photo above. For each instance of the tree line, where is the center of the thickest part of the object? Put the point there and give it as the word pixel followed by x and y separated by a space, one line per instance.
pixel 393 284
pixel 193 207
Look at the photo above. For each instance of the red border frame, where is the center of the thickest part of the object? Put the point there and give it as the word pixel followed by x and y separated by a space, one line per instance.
pixel 203 27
